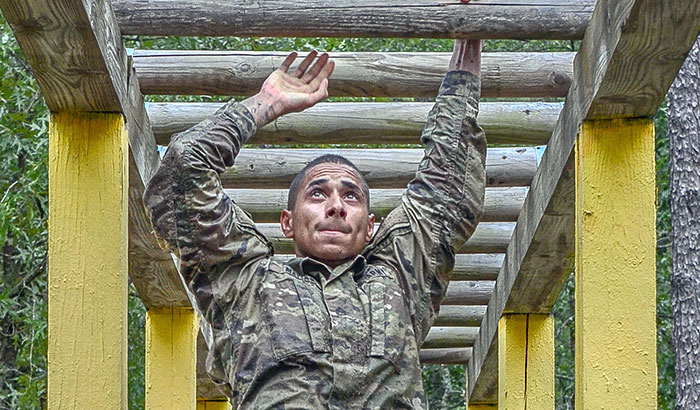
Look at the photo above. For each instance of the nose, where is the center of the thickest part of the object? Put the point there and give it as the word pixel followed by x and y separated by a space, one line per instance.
pixel 336 207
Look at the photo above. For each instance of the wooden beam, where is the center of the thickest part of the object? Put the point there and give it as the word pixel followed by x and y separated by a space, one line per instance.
pixel 382 168
pixel 171 358
pixel 87 283
pixel 75 51
pixel 523 19
pixel 468 293
pixel 628 59
pixel 504 75
pixel 265 205
pixel 151 268
pixel 616 265
pixel 489 237
pixel 76 54
pixel 444 337
pixel 445 356
pixel 453 315
pixel 368 123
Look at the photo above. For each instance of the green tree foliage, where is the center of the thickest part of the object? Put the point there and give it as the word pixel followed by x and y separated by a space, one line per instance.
pixel 23 212
pixel 23 238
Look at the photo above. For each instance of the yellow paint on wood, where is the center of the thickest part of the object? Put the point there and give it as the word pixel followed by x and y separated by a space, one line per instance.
pixel 171 358
pixel 615 265
pixel 88 238
pixel 526 362
pixel 512 350
pixel 214 405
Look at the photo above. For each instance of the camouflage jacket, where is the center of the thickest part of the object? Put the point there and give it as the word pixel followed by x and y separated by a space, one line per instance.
pixel 298 334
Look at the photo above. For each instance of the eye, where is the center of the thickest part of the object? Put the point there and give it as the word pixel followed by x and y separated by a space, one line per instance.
pixel 352 196
pixel 316 194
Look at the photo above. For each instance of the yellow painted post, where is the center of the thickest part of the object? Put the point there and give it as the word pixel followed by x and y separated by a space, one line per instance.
pixel 615 265
pixel 171 358
pixel 213 405
pixel 88 238
pixel 526 362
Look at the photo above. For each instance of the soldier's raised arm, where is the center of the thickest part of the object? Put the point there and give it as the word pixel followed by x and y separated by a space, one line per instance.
pixel 444 202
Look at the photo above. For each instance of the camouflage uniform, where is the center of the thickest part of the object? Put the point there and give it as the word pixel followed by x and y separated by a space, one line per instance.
pixel 300 334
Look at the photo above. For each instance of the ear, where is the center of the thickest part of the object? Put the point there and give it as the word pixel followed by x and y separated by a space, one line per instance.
pixel 370 228
pixel 286 223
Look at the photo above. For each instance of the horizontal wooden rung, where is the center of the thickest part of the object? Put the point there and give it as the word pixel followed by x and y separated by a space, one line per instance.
pixel 523 123
pixel 515 19
pixel 489 237
pixel 505 75
pixel 459 355
pixel 442 337
pixel 265 205
pixel 382 168
pixel 451 315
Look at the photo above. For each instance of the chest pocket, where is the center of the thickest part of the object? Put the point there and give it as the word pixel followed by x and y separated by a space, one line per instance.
pixel 294 320
pixel 387 324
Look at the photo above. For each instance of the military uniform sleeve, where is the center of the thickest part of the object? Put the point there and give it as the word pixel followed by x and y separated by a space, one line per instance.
pixel 216 241
pixel 442 204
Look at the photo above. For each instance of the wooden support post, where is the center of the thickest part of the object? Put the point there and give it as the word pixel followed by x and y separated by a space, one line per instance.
pixel 214 405
pixel 87 289
pixel 171 358
pixel 526 362
pixel 615 265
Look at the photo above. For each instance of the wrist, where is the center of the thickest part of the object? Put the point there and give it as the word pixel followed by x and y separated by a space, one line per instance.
pixel 263 107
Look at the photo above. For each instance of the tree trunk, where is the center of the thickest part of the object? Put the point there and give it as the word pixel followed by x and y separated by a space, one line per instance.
pixel 684 141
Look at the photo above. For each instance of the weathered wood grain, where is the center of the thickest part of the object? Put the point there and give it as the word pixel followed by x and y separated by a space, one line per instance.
pixel 523 19
pixel 628 42
pixel 265 205
pixel 151 268
pixel 489 237
pixel 455 315
pixel 504 75
pixel 442 337
pixel 368 123
pixel 468 293
pixel 76 54
pixel 75 51
pixel 445 356
pixel 382 168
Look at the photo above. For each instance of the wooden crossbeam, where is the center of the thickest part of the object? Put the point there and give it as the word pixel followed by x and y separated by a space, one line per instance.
pixel 489 237
pixel 178 72
pixel 81 65
pixel 382 168
pixel 458 315
pixel 368 123
pixel 519 19
pixel 265 205
pixel 631 54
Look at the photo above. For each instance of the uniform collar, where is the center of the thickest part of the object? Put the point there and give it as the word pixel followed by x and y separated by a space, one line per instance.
pixel 312 267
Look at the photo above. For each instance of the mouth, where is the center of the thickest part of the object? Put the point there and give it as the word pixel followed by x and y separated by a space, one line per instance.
pixel 333 230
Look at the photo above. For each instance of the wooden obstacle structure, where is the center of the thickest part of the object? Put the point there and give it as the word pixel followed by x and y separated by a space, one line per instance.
pixel 587 202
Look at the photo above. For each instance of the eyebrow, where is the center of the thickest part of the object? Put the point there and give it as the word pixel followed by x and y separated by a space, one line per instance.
pixel 353 186
pixel 316 182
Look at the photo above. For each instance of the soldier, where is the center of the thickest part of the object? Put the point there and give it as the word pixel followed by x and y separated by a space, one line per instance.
pixel 338 327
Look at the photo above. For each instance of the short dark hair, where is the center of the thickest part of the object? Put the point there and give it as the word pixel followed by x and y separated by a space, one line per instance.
pixel 323 159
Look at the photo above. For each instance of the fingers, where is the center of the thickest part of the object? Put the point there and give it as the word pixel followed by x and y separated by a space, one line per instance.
pixel 317 67
pixel 321 93
pixel 325 72
pixel 288 61
pixel 299 72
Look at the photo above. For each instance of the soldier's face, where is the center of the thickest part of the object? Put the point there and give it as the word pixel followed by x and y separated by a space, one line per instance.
pixel 330 221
